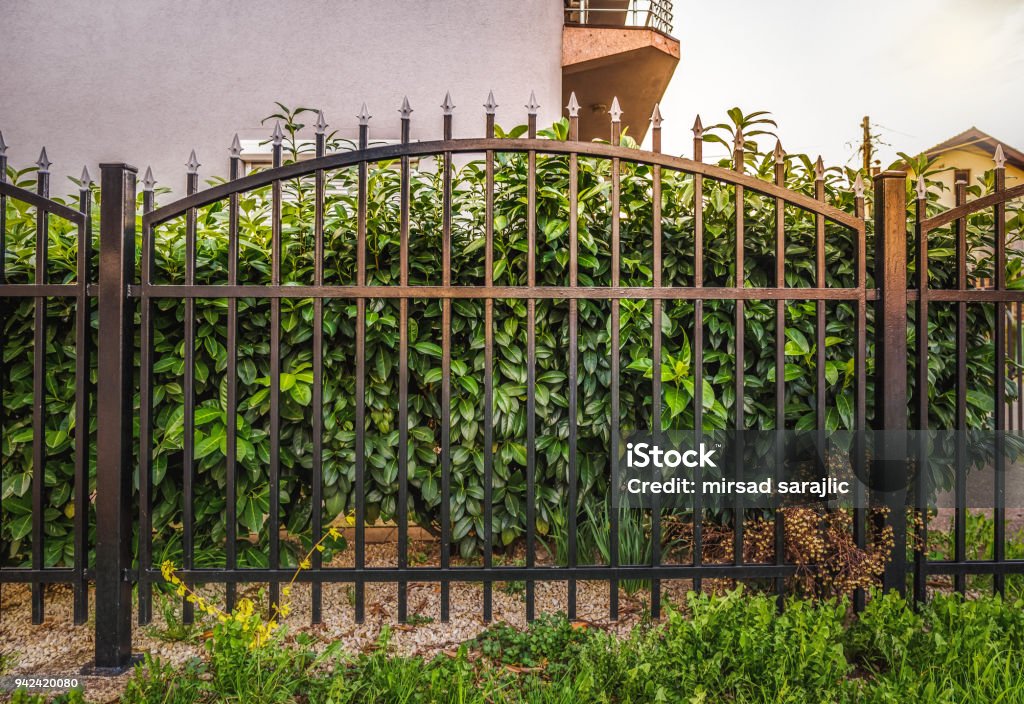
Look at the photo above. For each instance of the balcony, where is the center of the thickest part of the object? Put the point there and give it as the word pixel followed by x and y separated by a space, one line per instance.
pixel 648 14
pixel 617 48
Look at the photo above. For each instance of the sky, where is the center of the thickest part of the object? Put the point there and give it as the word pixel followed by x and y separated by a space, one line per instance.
pixel 923 70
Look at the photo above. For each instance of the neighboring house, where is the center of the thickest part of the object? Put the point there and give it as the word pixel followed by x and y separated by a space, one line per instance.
pixel 972 151
pixel 146 81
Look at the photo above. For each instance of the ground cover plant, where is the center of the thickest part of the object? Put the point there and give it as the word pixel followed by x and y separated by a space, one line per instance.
pixel 735 648
pixel 381 432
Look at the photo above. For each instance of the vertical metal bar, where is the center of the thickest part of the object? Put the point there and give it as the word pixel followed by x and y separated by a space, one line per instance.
pixel 1019 363
pixel 274 525
pixel 698 339
pixel 573 399
pixel 613 457
pixel 889 477
pixel 188 442
pixel 656 305
pixel 860 393
pixel 489 360
pixel 231 372
pixel 146 410
pixel 39 389
pixel 317 469
pixel 360 527
pixel 83 358
pixel 921 392
pixel 819 310
pixel 403 375
pixel 779 527
pixel 531 360
pixel 3 312
pixel 446 362
pixel 740 356
pixel 1019 359
pixel 960 488
pixel 999 510
pixel 113 401
pixel 819 323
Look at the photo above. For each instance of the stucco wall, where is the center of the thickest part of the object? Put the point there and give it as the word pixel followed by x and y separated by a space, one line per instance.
pixel 145 81
pixel 977 161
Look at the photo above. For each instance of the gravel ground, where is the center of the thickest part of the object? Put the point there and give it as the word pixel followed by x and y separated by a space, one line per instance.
pixel 57 647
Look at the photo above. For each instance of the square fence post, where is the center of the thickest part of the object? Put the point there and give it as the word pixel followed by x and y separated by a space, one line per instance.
pixel 114 416
pixel 889 476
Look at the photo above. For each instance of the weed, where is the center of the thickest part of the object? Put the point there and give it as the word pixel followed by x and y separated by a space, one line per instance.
pixel 174 629
pixel 419 620
pixel 8 659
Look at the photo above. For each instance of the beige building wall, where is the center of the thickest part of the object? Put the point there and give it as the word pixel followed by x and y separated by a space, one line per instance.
pixel 977 161
pixel 146 81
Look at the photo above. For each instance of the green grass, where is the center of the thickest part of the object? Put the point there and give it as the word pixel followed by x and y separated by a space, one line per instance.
pixel 732 648
pixel 7 661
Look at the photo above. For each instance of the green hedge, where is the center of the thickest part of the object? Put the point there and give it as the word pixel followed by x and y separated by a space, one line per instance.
pixel 467 343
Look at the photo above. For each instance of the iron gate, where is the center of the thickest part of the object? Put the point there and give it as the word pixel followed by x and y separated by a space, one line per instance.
pixel 119 292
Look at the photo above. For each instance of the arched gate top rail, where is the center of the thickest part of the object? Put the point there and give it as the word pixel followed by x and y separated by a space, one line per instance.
pixel 471 145
pixel 45 204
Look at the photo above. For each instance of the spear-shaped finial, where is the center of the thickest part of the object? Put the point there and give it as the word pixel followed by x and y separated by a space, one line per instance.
pixel 738 141
pixel 574 105
pixel 321 124
pixel 193 163
pixel 43 163
pixel 491 106
pixel 533 106
pixel 448 106
pixel 858 187
pixel 922 189
pixel 235 150
pixel 364 116
pixel 148 182
pixel 3 145
pixel 819 170
pixel 615 111
pixel 406 110
pixel 85 180
pixel 779 153
pixel 656 117
pixel 999 157
pixel 278 135
pixel 698 128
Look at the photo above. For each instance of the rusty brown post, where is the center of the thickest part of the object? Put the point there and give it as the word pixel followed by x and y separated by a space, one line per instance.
pixel 889 475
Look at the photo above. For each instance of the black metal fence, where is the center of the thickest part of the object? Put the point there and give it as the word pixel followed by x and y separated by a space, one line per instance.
pixel 119 296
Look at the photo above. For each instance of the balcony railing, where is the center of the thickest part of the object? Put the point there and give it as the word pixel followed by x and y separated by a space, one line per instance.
pixel 652 14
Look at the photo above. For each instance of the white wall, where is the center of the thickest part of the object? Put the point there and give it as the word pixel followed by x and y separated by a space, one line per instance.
pixel 145 81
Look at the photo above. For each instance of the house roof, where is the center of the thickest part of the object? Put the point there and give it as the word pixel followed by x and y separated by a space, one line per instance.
pixel 973 137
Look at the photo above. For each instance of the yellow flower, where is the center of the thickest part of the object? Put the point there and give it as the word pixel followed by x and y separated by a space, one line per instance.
pixel 305 564
pixel 319 547
pixel 287 591
pixel 334 533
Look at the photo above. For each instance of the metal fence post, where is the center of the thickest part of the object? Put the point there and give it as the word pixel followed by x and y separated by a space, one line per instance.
pixel 114 407
pixel 889 477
